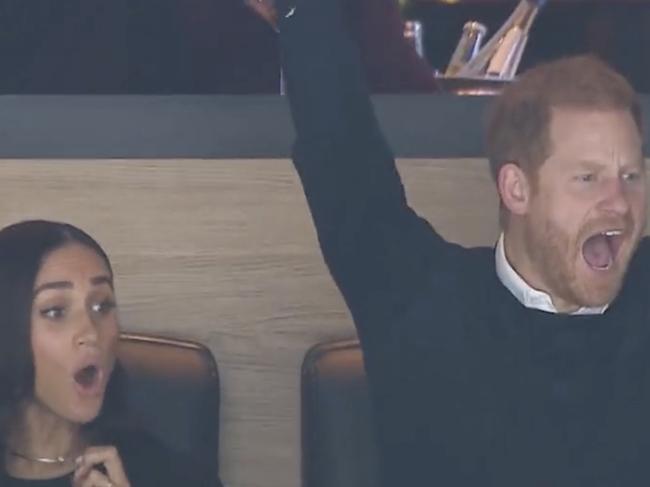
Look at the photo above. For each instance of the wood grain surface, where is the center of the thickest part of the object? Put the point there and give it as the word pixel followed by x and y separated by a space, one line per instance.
pixel 223 251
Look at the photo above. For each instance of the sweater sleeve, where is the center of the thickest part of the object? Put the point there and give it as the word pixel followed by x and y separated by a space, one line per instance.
pixel 379 251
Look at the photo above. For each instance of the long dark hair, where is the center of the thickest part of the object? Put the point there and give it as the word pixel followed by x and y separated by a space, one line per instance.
pixel 23 248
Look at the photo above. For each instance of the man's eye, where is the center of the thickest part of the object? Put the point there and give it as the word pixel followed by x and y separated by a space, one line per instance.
pixel 585 178
pixel 53 312
pixel 631 176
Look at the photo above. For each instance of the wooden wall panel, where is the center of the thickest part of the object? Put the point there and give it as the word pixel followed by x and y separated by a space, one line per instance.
pixel 224 252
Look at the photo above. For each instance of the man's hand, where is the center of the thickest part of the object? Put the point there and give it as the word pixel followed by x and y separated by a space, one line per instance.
pixel 266 10
pixel 109 474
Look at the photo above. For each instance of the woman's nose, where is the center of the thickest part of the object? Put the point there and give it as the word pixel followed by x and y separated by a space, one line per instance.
pixel 87 334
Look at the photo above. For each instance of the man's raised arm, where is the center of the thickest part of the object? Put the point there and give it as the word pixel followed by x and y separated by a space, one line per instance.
pixel 378 250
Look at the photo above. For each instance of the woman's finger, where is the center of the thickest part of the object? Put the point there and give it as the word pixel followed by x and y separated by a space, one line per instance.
pixel 97 479
pixel 109 458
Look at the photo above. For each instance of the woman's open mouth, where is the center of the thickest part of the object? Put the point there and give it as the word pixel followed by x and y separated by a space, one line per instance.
pixel 89 380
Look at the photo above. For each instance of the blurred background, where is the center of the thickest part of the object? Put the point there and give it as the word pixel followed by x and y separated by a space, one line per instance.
pixel 219 46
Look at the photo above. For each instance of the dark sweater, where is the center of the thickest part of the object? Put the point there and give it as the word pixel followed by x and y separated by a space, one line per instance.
pixel 468 386
pixel 146 461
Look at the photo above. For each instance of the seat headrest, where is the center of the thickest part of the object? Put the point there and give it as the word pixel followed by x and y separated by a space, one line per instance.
pixel 172 390
pixel 338 444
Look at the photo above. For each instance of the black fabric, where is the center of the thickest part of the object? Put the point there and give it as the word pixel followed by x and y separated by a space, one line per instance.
pixel 65 481
pixel 468 386
pixel 146 461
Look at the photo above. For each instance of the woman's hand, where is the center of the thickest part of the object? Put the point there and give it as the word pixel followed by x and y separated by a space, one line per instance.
pixel 100 466
pixel 266 10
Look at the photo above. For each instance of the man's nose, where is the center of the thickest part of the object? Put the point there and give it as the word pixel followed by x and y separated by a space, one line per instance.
pixel 616 197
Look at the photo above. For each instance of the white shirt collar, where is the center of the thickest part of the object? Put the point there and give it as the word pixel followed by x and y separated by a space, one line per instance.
pixel 526 295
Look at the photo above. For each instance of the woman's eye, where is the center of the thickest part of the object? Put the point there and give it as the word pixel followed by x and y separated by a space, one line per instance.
pixel 53 312
pixel 103 307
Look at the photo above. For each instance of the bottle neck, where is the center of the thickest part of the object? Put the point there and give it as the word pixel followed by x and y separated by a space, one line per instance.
pixel 529 10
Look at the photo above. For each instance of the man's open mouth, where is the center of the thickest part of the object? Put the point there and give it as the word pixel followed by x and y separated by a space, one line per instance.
pixel 601 249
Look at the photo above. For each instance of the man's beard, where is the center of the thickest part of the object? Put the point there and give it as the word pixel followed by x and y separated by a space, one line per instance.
pixel 556 257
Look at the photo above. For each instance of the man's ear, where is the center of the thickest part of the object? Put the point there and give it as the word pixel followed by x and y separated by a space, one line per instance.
pixel 514 188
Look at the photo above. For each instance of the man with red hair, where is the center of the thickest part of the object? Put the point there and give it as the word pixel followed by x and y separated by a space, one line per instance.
pixel 525 364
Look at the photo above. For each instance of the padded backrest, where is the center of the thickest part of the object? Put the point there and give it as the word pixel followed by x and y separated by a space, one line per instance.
pixel 172 390
pixel 338 445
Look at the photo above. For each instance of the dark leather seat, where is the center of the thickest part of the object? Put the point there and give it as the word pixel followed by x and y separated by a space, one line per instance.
pixel 172 390
pixel 338 446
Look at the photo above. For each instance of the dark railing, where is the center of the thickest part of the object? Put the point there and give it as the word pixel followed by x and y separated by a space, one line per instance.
pixel 219 126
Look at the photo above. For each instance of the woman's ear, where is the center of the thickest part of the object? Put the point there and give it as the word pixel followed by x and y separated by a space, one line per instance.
pixel 514 188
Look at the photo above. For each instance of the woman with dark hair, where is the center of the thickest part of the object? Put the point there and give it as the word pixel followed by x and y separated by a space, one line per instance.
pixel 59 401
